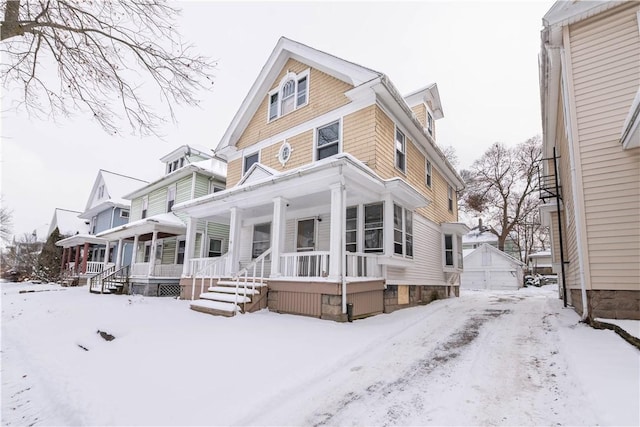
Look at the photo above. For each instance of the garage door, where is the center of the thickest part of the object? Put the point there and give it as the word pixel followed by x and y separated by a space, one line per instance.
pixel 473 280
pixel 501 280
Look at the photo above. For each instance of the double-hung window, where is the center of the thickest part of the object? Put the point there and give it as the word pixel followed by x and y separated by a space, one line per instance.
pixel 261 239
pixel 402 231
pixel 450 195
pixel 397 230
pixel 429 123
pixel 215 248
pixel 448 250
pixel 374 227
pixel 428 174
pixel 249 160
pixel 401 157
pixel 408 233
pixel 180 252
pixel 328 140
pixel 145 206
pixel 288 97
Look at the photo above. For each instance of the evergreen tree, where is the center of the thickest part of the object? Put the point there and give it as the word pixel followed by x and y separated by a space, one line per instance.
pixel 48 268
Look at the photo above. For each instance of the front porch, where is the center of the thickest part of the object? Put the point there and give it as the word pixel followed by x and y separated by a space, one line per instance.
pixel 83 256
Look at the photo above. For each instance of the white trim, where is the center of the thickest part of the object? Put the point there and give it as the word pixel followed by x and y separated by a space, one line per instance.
pixel 128 211
pixel 396 129
pixel 428 172
pixel 173 187
pixel 244 161
pixel 281 153
pixel 184 254
pixel 278 90
pixel 315 231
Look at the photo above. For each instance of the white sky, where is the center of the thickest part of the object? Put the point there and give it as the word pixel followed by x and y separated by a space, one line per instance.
pixel 482 55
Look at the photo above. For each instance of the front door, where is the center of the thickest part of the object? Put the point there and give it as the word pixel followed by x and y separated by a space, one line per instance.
pixel 306 242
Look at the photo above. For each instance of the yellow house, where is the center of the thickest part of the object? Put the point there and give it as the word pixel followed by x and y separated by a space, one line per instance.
pixel 589 81
pixel 338 200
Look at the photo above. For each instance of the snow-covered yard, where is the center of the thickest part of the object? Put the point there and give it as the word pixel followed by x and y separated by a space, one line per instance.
pixel 486 358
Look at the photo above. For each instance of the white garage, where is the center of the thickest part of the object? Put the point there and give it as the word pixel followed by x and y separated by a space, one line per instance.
pixel 489 268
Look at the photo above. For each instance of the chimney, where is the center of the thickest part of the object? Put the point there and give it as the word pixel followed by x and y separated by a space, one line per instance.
pixel 480 224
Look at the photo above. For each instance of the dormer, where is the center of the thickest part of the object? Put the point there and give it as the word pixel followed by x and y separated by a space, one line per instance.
pixel 426 106
pixel 184 155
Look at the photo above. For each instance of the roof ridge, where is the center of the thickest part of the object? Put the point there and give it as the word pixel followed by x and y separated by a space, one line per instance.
pixel 123 175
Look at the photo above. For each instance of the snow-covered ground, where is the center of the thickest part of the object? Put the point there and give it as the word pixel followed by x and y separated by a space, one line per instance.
pixel 486 358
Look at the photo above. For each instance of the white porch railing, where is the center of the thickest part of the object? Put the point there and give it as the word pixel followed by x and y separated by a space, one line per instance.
pixel 159 270
pixel 360 264
pixel 305 264
pixel 94 267
pixel 210 267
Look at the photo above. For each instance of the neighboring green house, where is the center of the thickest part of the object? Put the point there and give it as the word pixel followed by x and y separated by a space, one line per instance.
pixel 160 248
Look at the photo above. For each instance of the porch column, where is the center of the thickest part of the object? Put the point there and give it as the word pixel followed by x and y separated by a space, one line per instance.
pixel 119 254
pixel 387 232
pixel 189 246
pixel 134 251
pixel 152 255
pixel 234 239
pixel 76 266
pixel 107 247
pixel 64 255
pixel 337 235
pixel 278 226
pixel 85 257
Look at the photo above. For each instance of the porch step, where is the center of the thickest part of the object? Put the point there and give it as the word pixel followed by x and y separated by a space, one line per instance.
pixel 215 307
pixel 233 283
pixel 216 296
pixel 232 290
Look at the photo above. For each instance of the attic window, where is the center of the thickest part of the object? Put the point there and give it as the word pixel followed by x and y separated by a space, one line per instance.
pixel 429 123
pixel 249 160
pixel 289 95
pixel 101 192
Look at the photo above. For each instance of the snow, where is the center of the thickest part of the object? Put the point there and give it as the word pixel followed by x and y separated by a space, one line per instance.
pixel 486 358
pixel 68 223
pixel 630 326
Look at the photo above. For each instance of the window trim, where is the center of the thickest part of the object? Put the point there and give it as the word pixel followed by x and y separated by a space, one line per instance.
pixel 403 152
pixel 253 241
pixel 450 197
pixel 209 239
pixel 428 173
pixel 315 138
pixel 456 252
pixel 355 230
pixel 430 123
pixel 171 191
pixel 278 92
pixel 406 215
pixel 178 241
pixel 145 207
pixel 379 250
pixel 122 211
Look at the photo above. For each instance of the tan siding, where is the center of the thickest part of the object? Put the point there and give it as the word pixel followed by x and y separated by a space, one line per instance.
pixel 234 172
pixel 326 93
pixel 301 154
pixel 358 135
pixel 421 114
pixel 605 55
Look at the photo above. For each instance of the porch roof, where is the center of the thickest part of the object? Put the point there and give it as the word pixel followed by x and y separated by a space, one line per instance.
pixel 80 239
pixel 306 185
pixel 166 224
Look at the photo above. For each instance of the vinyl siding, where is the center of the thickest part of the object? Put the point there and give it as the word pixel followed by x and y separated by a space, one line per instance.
pixel 358 135
pixel 157 202
pixel 136 209
pixel 202 186
pixel 326 93
pixel 605 56
pixel 218 231
pixel 183 189
pixel 301 154
pixel 421 114
pixel 169 250
pixel 103 220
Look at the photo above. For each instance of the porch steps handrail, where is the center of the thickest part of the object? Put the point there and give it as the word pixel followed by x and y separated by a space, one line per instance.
pixel 243 275
pixel 214 269
pixel 96 281
pixel 117 279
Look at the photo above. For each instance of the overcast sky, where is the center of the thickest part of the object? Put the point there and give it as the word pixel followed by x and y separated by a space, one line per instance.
pixel 482 55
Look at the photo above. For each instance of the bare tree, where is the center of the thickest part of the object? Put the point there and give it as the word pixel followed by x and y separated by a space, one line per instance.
pixel 6 222
pixel 104 52
pixel 501 184
pixel 529 235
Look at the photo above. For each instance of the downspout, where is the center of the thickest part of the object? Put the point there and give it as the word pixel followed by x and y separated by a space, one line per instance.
pixel 574 191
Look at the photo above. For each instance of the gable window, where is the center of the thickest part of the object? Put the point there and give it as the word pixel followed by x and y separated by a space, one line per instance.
pixel 249 160
pixel 400 151
pixel 328 140
pixel 351 237
pixel 450 195
pixel 429 123
pixel 101 192
pixel 180 251
pixel 171 197
pixel 145 206
pixel 373 227
pixel 215 248
pixel 290 95
pixel 428 174
pixel 124 213
pixel 261 239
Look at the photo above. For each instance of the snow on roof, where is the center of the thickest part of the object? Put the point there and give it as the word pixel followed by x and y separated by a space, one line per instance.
pixel 67 222
pixel 119 185
pixel 466 252
pixel 540 254
pixel 475 236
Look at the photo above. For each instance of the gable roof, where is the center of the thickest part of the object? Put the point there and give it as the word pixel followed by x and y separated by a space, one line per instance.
pixel 256 172
pixel 116 185
pixel 429 95
pixel 67 222
pixel 286 49
pixel 188 149
pixel 495 251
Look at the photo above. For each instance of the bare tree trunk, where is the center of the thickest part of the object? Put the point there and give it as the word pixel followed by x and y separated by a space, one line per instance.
pixel 10 26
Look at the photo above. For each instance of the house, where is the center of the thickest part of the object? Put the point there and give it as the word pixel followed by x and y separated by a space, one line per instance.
pixel 339 202
pixel 68 223
pixel 481 234
pixel 157 235
pixel 590 182
pixel 84 254
pixel 487 267
pixel 540 262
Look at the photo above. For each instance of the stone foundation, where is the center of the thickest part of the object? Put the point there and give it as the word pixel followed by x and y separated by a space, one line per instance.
pixel 608 304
